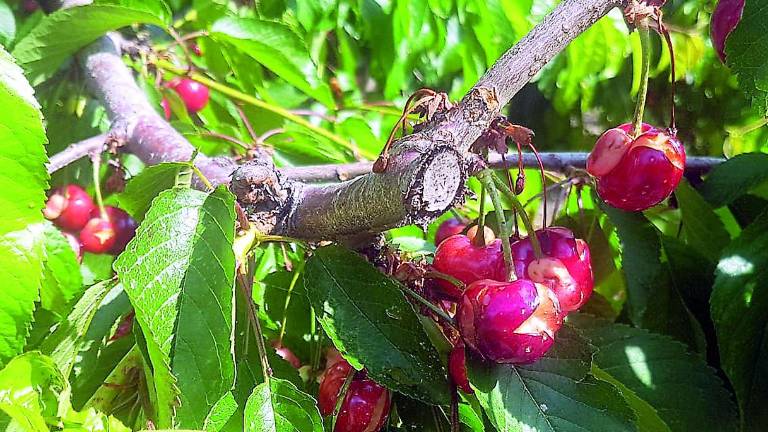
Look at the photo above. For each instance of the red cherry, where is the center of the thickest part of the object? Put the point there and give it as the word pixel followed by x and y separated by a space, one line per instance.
pixel 69 207
pixel 724 19
pixel 98 235
pixel 366 405
pixel 457 368
pixel 195 48
pixel 74 242
pixel 123 224
pixel 448 228
pixel 566 267
pixel 458 257
pixel 286 354
pixel 636 173
pixel 509 322
pixel 194 94
pixel 125 326
pixel 166 108
pixel 30 6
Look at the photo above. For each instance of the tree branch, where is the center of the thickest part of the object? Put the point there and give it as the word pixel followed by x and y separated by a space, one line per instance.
pixel 76 151
pixel 426 172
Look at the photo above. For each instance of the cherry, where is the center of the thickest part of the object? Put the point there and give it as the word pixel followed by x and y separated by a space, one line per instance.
pixel 123 224
pixel 457 368
pixel 457 256
pixel 724 19
pixel 636 173
pixel 194 94
pixel 69 207
pixel 30 6
pixel 366 404
pixel 195 49
pixel 566 267
pixel 98 235
pixel 448 228
pixel 509 322
pixel 125 326
pixel 74 243
pixel 166 108
pixel 286 354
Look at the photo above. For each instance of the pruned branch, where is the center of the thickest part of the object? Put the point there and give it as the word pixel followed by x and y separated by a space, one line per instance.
pixel 426 172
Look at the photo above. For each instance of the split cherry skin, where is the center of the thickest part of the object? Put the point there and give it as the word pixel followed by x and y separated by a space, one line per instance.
pixel 366 404
pixel 69 207
pixel 565 268
pixel 636 173
pixel 98 235
pixel 509 322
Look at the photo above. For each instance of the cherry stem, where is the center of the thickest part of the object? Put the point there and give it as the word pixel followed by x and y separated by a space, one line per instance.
pixel 291 287
pixel 523 216
pixel 543 185
pixel 439 312
pixel 434 274
pixel 245 281
pixel 668 39
pixel 341 396
pixel 479 239
pixel 487 179
pixel 96 165
pixel 645 53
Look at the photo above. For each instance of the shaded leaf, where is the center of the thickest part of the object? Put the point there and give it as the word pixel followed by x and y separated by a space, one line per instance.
pixel 370 322
pixel 142 189
pixel 703 229
pixel 747 48
pixel 734 177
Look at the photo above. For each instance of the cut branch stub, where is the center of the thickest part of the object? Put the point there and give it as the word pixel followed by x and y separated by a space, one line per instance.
pixel 437 185
pixel 259 189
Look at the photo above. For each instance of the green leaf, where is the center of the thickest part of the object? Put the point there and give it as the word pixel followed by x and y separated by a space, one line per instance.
pixel 747 49
pixel 64 32
pixel 32 388
pixel 739 307
pixel 703 229
pixel 278 406
pixel 62 280
pixel 653 301
pixel 278 48
pixel 650 366
pixel 734 178
pixel 556 393
pixel 23 180
pixel 65 342
pixel 369 320
pixel 179 274
pixel 142 189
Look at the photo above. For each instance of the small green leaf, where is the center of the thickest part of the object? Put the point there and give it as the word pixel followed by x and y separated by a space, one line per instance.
pixel 179 274
pixel 650 366
pixel 554 394
pixel 369 320
pixel 278 406
pixel 747 49
pixel 278 48
pixel 64 32
pixel 142 189
pixel 32 390
pixel 62 280
pixel 23 180
pixel 703 229
pixel 734 178
pixel 739 307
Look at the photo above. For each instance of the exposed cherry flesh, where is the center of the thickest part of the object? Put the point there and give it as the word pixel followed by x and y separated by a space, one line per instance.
pixel 98 235
pixel 566 267
pixel 69 207
pixel 509 322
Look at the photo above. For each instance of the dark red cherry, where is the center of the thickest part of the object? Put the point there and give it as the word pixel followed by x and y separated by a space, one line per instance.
pixel 286 354
pixel 69 207
pixel 724 19
pixel 448 228
pixel 194 94
pixel 635 174
pixel 30 6
pixel 123 224
pixel 509 322
pixel 457 368
pixel 74 243
pixel 457 256
pixel 366 404
pixel 98 235
pixel 566 267
pixel 195 49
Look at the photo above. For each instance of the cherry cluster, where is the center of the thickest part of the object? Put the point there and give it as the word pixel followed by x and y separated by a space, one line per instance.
pixel 86 227
pixel 509 321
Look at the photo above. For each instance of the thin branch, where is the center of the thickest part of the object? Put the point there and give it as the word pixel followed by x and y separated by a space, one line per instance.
pixel 76 152
pixel 556 162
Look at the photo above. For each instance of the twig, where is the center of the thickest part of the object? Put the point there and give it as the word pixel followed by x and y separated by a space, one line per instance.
pixel 75 152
